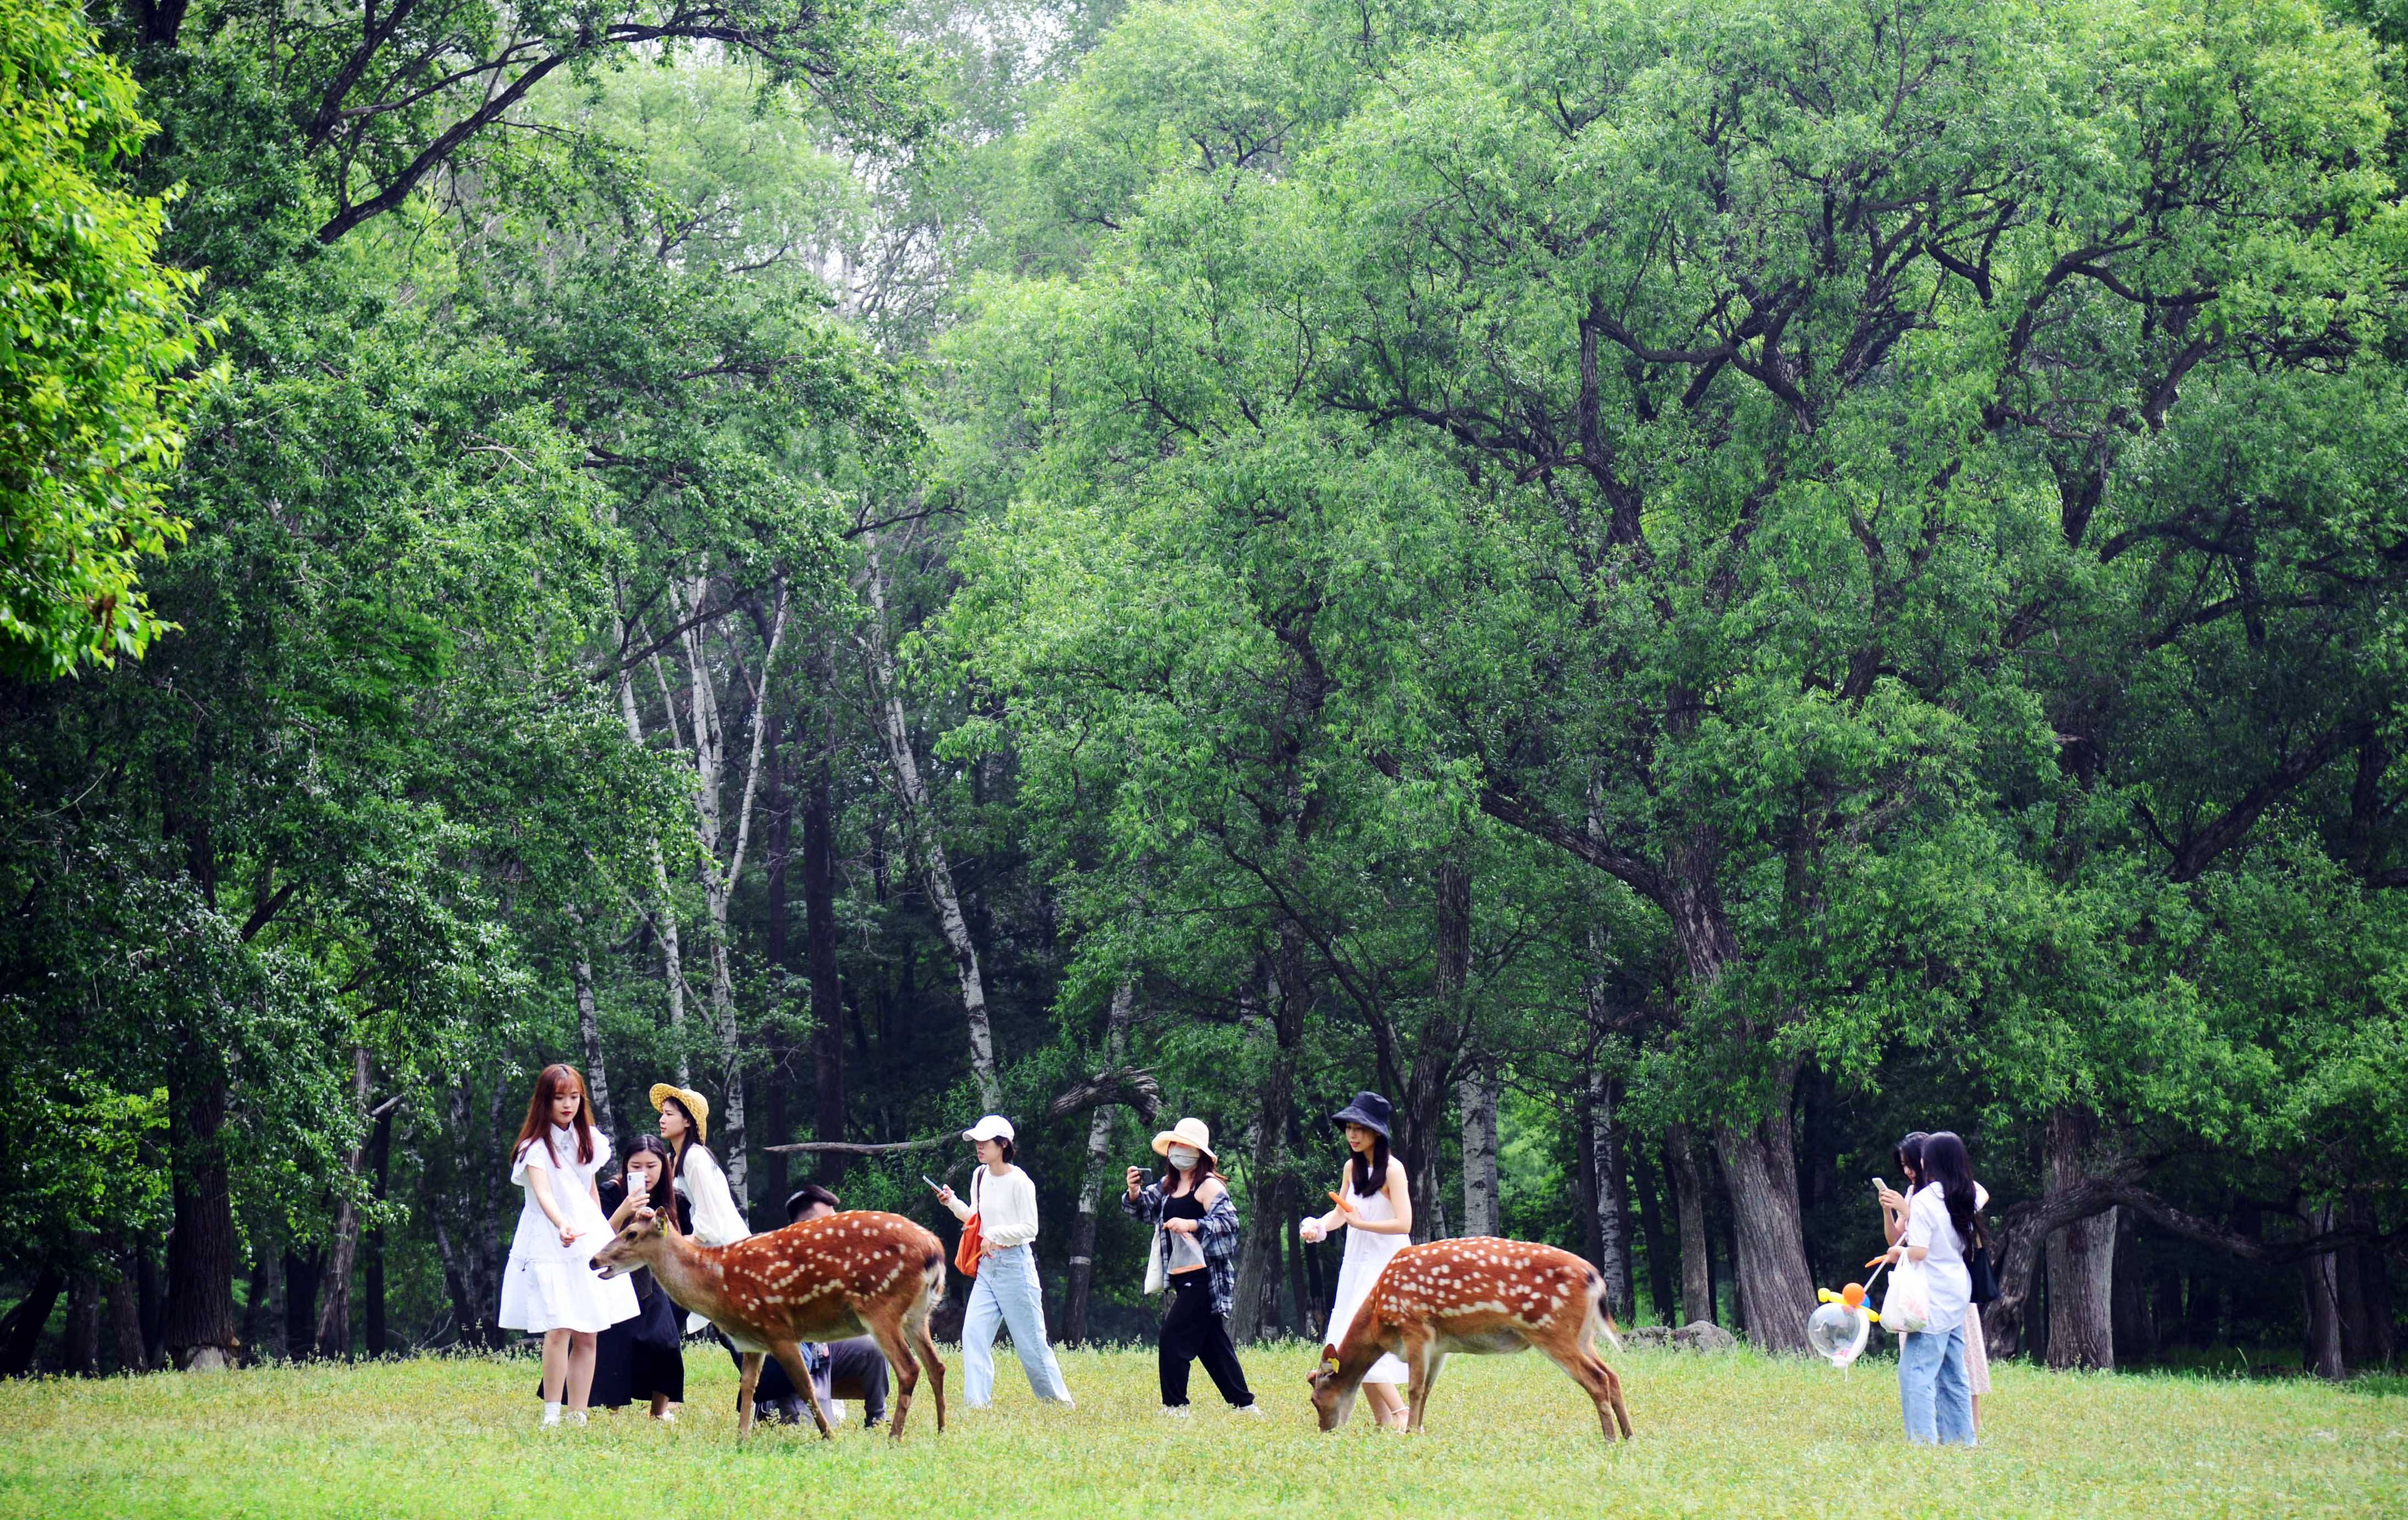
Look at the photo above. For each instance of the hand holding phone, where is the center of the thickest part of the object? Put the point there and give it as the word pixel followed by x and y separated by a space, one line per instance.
pixel 934 1186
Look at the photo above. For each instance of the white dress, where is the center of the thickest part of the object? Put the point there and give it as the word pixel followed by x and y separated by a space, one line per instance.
pixel 1366 1255
pixel 550 1286
pixel 717 1221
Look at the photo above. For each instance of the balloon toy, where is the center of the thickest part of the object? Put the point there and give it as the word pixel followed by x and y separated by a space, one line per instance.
pixel 1838 1329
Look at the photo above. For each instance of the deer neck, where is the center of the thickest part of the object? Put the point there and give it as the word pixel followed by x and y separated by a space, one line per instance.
pixel 679 1267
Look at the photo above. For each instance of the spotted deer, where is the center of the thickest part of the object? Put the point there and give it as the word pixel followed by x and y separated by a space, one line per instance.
pixel 847 1274
pixel 1483 1295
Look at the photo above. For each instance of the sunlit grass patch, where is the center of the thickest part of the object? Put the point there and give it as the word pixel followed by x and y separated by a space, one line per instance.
pixel 1734 1434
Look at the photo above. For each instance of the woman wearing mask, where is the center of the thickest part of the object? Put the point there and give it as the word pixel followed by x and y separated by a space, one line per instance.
pixel 1005 1291
pixel 1933 1394
pixel 1378 1214
pixel 1198 1224
pixel 1909 1155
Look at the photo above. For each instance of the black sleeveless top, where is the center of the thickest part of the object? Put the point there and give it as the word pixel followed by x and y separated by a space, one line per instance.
pixel 1185 1206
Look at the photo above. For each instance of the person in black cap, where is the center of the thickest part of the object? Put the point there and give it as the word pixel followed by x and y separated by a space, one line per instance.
pixel 1377 1212
pixel 853 1368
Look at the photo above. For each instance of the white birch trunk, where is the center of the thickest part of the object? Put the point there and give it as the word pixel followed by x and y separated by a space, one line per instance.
pixel 1482 1205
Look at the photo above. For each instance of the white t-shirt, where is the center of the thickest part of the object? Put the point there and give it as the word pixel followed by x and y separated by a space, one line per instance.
pixel 1950 1286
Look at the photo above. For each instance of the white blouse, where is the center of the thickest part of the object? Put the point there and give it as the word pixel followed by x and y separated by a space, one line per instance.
pixel 717 1221
pixel 1950 1286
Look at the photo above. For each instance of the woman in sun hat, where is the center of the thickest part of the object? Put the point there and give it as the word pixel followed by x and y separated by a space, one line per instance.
pixel 1005 1291
pixel 694 1172
pixel 1378 1214
pixel 1197 1235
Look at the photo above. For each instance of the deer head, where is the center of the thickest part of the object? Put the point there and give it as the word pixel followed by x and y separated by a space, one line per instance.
pixel 638 1241
pixel 1333 1391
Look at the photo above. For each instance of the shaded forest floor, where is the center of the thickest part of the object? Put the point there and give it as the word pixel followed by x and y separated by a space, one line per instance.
pixel 1729 1435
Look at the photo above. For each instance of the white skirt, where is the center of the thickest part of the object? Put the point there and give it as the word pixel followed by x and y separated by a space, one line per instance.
pixel 1367 1255
pixel 548 1286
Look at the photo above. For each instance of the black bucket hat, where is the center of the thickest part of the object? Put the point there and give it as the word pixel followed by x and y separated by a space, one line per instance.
pixel 1369 1110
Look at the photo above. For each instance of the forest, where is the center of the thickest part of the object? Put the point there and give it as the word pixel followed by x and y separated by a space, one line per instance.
pixel 1681 587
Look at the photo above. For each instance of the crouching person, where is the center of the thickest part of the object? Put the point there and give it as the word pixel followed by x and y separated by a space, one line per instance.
pixel 853 1368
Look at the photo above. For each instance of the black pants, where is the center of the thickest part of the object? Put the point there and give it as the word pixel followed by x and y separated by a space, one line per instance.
pixel 857 1370
pixel 1191 1331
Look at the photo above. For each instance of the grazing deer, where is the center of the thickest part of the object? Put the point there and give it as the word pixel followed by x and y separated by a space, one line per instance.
pixel 1483 1295
pixel 847 1274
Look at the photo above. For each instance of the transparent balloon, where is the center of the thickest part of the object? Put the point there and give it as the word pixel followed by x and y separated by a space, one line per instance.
pixel 1837 1332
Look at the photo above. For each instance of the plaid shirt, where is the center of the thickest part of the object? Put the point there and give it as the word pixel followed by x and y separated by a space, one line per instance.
pixel 1217 1232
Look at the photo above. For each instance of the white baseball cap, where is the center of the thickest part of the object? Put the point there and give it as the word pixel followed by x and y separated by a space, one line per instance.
pixel 993 1127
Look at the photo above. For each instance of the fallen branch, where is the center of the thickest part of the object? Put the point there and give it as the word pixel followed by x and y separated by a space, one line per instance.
pixel 853 1148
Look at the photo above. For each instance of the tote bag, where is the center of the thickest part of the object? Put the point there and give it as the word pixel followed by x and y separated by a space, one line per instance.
pixel 1906 1308
pixel 965 1256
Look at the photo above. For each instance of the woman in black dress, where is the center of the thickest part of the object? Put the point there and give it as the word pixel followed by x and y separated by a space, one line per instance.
pixel 642 1358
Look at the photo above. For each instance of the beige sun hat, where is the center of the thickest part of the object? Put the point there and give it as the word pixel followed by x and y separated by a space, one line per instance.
pixel 1189 1131
pixel 694 1103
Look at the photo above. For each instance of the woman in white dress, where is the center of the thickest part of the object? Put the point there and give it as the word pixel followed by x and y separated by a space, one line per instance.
pixel 548 1288
pixel 685 1126
pixel 1377 1209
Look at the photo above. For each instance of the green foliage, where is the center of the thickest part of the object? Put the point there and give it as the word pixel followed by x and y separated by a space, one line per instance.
pixel 96 335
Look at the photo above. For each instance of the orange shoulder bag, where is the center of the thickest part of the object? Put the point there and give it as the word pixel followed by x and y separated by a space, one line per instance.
pixel 965 1256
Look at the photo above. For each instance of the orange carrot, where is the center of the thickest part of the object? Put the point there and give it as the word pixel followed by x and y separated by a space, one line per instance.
pixel 1344 1207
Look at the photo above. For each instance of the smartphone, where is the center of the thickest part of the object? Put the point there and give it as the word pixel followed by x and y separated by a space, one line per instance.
pixel 1879 1186
pixel 934 1186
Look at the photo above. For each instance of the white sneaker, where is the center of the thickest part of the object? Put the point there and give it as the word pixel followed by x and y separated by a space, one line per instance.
pixel 576 1416
pixel 1177 1411
pixel 1251 1410
pixel 551 1414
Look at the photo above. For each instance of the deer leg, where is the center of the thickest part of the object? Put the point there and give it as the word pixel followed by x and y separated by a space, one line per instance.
pixel 915 1324
pixel 790 1356
pixel 1595 1379
pixel 897 1352
pixel 744 1394
pixel 1424 1378
pixel 1613 1392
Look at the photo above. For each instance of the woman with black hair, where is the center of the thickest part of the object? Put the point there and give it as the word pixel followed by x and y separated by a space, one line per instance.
pixel 1933 1394
pixel 1377 1209
pixel 640 1358
pixel 1196 1238
pixel 1909 1155
pixel 1004 1295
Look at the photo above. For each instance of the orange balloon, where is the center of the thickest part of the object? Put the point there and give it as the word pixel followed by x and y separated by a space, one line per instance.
pixel 1853 1296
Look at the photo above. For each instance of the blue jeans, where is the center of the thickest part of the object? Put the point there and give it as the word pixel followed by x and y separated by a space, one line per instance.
pixel 1931 1388
pixel 1004 1293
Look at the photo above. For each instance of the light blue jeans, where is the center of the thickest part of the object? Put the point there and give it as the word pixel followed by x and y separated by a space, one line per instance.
pixel 1005 1292
pixel 1931 1388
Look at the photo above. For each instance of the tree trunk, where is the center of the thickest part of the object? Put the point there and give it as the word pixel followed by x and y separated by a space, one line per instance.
pixel 1612 1227
pixel 1775 1287
pixel 302 1274
pixel 2367 1335
pixel 920 818
pixel 2134 1314
pixel 2321 1286
pixel 1689 1203
pixel 1478 1094
pixel 79 1343
pixel 1092 1186
pixel 20 1330
pixel 1439 1052
pixel 589 1028
pixel 1660 1257
pixel 2081 1258
pixel 380 1163
pixel 125 1319
pixel 1290 995
pixel 818 949
pixel 664 916
pixel 1308 1316
pixel 334 1328
pixel 199 1326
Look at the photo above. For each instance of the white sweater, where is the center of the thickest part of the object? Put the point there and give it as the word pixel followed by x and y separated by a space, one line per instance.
pixel 1006 1206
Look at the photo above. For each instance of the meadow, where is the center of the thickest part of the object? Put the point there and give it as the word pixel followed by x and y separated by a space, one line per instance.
pixel 1735 1434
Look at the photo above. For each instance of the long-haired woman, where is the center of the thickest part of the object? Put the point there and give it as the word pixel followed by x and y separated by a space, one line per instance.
pixel 1191 1205
pixel 1377 1209
pixel 641 1358
pixel 696 1175
pixel 1933 1394
pixel 549 1287
pixel 1909 1155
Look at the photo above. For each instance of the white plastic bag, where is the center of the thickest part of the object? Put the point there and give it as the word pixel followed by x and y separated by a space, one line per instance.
pixel 1156 1278
pixel 1906 1308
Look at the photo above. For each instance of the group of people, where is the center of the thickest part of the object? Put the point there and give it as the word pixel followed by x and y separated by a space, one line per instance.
pixel 618 1342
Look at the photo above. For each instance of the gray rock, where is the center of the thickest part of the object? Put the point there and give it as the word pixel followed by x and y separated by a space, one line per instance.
pixel 1700 1335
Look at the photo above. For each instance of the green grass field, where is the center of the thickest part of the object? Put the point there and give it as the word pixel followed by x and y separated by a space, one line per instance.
pixel 1728 1435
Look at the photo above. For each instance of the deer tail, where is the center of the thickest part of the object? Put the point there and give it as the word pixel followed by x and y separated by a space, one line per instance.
pixel 1601 1323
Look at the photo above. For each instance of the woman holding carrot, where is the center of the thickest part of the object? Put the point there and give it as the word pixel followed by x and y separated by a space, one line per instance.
pixel 548 1288
pixel 1377 1209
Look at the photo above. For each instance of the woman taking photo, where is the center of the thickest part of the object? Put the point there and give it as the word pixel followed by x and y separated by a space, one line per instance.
pixel 1198 1224
pixel 548 1288
pixel 1909 1155
pixel 1005 1291
pixel 1932 1392
pixel 640 1358
pixel 1378 1213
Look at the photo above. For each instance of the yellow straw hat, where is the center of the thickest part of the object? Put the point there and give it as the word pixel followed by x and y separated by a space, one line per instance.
pixel 694 1103
pixel 1186 1132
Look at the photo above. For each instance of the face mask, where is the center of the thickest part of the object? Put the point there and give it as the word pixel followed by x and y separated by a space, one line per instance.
pixel 1185 1156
